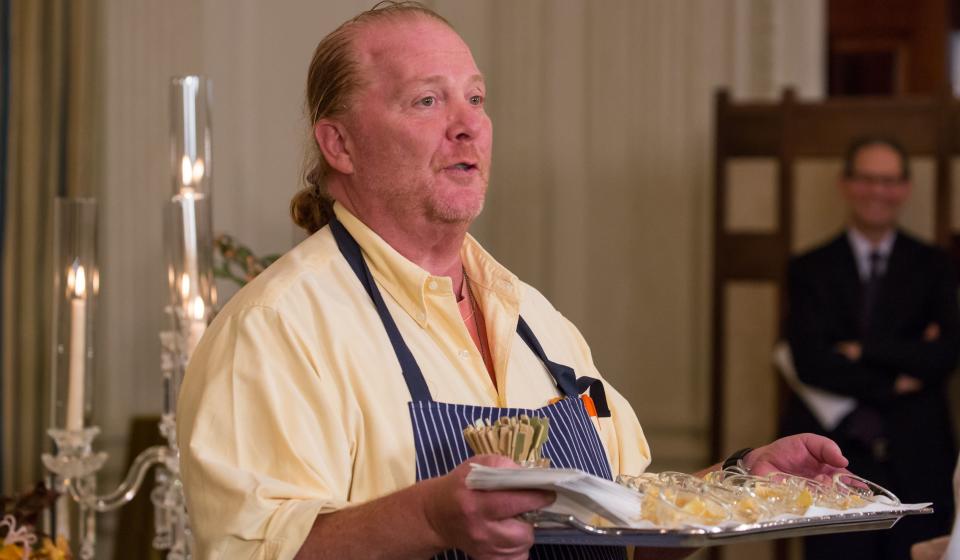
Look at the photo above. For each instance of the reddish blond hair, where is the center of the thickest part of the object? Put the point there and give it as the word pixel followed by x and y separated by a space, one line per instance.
pixel 331 81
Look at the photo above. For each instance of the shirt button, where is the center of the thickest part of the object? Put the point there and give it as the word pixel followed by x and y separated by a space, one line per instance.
pixel 464 354
pixel 432 285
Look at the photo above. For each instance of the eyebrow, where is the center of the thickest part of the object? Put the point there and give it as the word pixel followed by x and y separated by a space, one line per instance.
pixel 440 78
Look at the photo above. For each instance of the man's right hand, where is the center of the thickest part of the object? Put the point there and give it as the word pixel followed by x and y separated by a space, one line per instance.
pixel 906 384
pixel 483 524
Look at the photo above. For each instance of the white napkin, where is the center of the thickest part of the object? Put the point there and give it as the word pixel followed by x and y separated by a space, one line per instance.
pixel 578 493
pixel 829 408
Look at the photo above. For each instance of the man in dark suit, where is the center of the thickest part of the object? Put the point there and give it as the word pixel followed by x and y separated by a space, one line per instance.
pixel 873 315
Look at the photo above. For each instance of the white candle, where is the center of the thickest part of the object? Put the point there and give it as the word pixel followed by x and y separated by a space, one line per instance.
pixel 63 516
pixel 78 351
pixel 188 196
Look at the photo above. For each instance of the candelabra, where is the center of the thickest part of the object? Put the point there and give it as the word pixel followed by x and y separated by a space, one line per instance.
pixel 76 466
pixel 188 243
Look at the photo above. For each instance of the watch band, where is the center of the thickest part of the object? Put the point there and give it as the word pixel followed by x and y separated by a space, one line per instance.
pixel 736 459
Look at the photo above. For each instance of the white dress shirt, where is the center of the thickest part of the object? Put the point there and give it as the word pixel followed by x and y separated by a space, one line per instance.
pixel 863 247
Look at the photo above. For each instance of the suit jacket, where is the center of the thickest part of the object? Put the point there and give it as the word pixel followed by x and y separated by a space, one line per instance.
pixel 918 288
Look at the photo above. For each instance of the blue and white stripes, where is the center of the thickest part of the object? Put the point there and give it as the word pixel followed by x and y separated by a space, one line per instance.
pixel 573 443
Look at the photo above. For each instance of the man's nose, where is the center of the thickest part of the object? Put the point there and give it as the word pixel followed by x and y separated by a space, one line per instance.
pixel 465 122
pixel 879 188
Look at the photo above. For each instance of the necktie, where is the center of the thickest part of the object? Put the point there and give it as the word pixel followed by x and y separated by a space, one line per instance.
pixel 871 288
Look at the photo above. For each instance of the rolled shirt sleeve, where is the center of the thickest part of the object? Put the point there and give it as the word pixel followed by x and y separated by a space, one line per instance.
pixel 264 448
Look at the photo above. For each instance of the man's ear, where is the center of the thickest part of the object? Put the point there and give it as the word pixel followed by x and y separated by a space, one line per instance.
pixel 332 141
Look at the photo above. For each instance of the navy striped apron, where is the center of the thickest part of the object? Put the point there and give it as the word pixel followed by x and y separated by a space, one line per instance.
pixel 438 427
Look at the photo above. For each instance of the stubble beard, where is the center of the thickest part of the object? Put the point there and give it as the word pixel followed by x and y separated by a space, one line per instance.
pixel 437 203
pixel 458 212
pixel 440 206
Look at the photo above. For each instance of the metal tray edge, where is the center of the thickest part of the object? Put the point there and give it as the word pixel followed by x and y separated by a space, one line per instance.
pixel 553 528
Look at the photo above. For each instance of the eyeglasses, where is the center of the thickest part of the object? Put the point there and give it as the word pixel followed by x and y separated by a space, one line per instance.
pixel 881 180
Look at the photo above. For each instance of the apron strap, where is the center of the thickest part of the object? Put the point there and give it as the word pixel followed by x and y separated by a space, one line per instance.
pixel 567 381
pixel 408 364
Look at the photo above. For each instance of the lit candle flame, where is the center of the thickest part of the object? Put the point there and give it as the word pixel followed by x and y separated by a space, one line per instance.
pixel 80 283
pixel 185 287
pixel 77 280
pixel 199 309
pixel 186 171
pixel 198 170
pixel 71 278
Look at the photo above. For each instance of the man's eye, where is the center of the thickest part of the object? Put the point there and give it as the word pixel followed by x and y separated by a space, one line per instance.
pixel 476 100
pixel 428 101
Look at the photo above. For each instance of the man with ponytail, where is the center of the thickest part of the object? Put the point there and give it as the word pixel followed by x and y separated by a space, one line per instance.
pixel 321 414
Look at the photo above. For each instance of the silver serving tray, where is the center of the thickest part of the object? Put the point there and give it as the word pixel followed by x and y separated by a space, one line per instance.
pixel 554 528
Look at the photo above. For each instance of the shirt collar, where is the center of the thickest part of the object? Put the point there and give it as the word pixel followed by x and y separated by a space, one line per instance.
pixel 863 246
pixel 408 283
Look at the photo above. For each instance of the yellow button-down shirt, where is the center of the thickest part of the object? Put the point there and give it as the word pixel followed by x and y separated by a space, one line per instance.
pixel 294 403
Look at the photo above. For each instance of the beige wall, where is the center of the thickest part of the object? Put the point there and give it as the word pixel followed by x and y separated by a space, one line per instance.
pixel 600 194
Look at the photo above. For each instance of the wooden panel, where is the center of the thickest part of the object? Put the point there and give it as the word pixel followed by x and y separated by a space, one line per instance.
pixel 917 215
pixel 752 196
pixel 826 129
pixel 750 256
pixel 867 67
pixel 919 29
pixel 952 124
pixel 817 209
pixel 751 131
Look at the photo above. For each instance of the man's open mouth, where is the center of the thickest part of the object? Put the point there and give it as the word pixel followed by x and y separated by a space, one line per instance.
pixel 463 166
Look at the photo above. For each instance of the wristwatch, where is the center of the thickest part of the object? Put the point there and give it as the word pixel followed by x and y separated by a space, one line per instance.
pixel 736 460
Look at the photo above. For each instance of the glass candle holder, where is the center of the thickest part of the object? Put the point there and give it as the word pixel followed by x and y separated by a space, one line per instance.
pixel 188 219
pixel 191 141
pixel 188 246
pixel 76 284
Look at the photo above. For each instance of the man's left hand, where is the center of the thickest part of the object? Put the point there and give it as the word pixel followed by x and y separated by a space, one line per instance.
pixel 851 349
pixel 806 455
